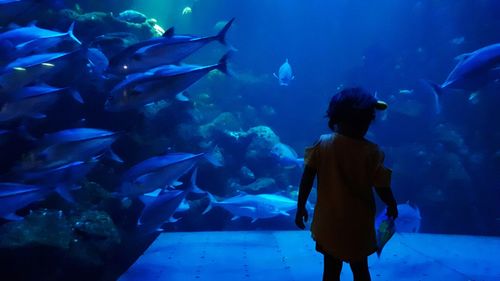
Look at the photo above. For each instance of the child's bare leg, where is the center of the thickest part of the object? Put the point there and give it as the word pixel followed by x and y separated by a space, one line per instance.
pixel 332 268
pixel 360 270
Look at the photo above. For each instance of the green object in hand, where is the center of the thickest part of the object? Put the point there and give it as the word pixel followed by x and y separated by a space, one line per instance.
pixel 385 231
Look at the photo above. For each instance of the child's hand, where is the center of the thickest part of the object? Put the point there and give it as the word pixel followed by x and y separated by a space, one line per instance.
pixel 392 211
pixel 300 217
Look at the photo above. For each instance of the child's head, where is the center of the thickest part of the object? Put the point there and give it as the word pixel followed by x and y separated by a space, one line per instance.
pixel 352 110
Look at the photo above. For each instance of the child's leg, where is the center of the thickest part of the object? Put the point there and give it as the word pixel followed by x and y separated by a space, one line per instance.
pixel 360 270
pixel 332 268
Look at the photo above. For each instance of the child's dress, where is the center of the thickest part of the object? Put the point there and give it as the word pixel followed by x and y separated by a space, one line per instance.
pixel 347 169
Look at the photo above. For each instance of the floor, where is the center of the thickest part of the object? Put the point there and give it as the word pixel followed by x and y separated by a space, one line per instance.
pixel 290 255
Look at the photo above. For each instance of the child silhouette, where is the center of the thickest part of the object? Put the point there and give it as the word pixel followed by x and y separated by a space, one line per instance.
pixel 347 167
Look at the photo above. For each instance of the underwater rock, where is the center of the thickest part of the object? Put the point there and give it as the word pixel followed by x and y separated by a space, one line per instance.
pixel 246 174
pixel 226 121
pixel 96 225
pixel 263 140
pixel 40 227
pixel 91 25
pixel 92 194
pixel 451 139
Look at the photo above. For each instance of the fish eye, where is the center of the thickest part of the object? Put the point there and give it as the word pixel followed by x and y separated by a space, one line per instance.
pixel 125 67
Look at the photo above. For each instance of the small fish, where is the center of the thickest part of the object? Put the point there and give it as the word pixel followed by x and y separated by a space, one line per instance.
pixel 406 91
pixel 157 84
pixel 160 172
pixel 16 196
pixel 408 219
pixel 286 156
pixel 187 11
pixel 259 206
pixel 169 49
pixel 132 16
pixel 458 40
pixel 285 74
pixel 474 97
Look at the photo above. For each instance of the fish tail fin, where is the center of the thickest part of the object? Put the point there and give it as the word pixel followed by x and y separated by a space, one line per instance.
pixel 76 95
pixel 222 65
pixel 63 191
pixel 221 37
pixel 211 201
pixel 71 34
pixel 193 187
pixel 215 157
pixel 436 91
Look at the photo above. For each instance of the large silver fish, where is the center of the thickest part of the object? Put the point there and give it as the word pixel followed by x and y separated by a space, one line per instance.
pixel 27 70
pixel 159 210
pixel 169 49
pixel 259 206
pixel 160 172
pixel 44 42
pixel 71 145
pixel 16 196
pixel 33 102
pixel 473 71
pixel 157 84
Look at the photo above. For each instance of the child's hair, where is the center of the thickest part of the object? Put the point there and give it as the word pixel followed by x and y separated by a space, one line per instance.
pixel 354 107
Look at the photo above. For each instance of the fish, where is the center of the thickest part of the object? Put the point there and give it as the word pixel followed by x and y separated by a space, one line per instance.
pixel 33 101
pixel 159 210
pixel 71 145
pixel 160 172
pixel 285 74
pixel 256 207
pixel 19 35
pixel 16 196
pixel 132 16
pixel 406 91
pixel 27 70
pixel 187 11
pixel 408 219
pixel 67 175
pixel 473 71
pixel 286 156
pixel 137 90
pixel 45 43
pixel 169 49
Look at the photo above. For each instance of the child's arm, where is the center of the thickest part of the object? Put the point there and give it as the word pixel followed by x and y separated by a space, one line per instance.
pixel 387 197
pixel 306 184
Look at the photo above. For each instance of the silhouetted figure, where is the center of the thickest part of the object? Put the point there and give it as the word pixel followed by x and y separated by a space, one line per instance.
pixel 347 167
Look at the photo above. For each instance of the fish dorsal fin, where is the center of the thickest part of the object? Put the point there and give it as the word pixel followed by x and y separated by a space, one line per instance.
pixel 169 32
pixel 286 60
pixel 147 199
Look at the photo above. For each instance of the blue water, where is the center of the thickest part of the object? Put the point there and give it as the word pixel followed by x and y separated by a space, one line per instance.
pixel 444 153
